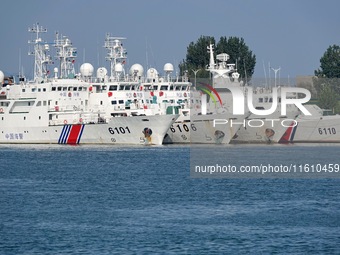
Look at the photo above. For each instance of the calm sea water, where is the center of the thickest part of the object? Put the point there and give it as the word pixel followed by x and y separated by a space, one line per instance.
pixel 141 200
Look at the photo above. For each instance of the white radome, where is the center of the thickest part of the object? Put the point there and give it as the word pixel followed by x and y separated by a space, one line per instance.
pixel 86 70
pixel 168 68
pixel 151 73
pixel 136 68
pixel 101 72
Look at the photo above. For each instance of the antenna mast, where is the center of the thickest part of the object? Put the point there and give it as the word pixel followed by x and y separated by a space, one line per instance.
pixel 40 53
pixel 275 71
pixel 212 61
pixel 66 54
pixel 116 54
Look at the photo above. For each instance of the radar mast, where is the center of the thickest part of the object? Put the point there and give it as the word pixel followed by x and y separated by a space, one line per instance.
pixel 66 54
pixel 116 54
pixel 40 53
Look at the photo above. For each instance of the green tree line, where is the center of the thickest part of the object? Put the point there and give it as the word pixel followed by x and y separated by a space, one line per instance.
pixel 325 82
pixel 197 57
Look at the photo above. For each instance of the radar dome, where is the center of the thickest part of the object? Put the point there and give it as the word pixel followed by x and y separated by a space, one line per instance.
pixel 151 73
pixel 101 72
pixel 136 68
pixel 2 77
pixel 86 70
pixel 168 68
pixel 118 68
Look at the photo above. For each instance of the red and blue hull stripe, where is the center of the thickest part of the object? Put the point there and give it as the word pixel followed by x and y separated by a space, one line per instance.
pixel 71 134
pixel 289 135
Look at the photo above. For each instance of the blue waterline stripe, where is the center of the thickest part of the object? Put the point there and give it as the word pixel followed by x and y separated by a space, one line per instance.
pixel 65 134
pixel 293 133
pixel 61 134
pixel 81 133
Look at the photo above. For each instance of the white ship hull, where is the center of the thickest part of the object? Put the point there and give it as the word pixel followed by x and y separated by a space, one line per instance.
pixel 200 130
pixel 263 130
pixel 322 129
pixel 120 130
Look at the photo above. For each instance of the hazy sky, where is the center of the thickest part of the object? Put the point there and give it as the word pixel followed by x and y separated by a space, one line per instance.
pixel 292 34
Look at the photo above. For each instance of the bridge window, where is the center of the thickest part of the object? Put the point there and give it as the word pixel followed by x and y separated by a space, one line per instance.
pixel 113 87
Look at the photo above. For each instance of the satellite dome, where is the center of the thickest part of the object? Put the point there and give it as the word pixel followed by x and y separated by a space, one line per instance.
pixel 86 70
pixel 101 72
pixel 118 68
pixel 2 77
pixel 151 73
pixel 136 68
pixel 168 68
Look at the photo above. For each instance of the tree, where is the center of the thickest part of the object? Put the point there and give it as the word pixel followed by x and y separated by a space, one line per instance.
pixel 326 82
pixel 330 63
pixel 198 57
pixel 239 54
pixel 327 98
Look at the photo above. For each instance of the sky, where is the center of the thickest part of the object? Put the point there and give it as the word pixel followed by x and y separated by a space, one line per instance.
pixel 291 34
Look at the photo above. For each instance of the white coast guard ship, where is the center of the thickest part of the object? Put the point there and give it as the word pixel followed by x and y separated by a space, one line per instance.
pixel 316 128
pixel 149 95
pixel 270 128
pixel 117 90
pixel 253 128
pixel 60 109
pixel 195 123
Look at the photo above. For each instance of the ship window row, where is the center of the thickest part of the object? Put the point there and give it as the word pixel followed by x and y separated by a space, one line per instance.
pixel 267 99
pixel 134 87
pixel 38 89
pixel 71 88
pixel 165 87
pixel 4 103
pixel 127 102
pixel 179 101
pixel 24 118
pixel 114 102
pixel 115 88
pixel 121 87
pixel 172 88
pixel 197 101
pixel 44 103
pixel 35 90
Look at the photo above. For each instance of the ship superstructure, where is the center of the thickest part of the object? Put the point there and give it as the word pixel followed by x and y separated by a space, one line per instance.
pixel 63 108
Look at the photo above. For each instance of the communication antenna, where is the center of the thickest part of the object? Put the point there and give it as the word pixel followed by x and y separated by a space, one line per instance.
pixel 275 72
pixel 19 62
pixel 40 53
pixel 245 72
pixel 270 80
pixel 66 54
pixel 195 72
pixel 265 74
pixel 146 53
pixel 116 54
